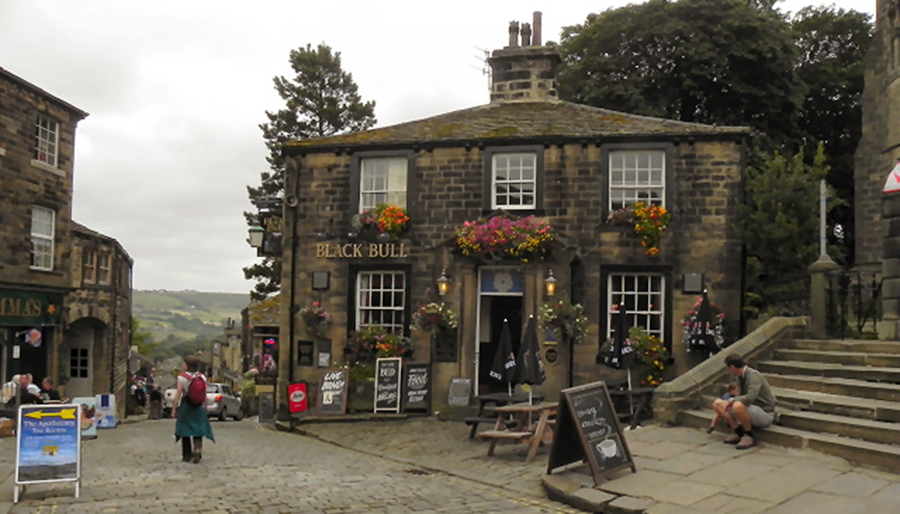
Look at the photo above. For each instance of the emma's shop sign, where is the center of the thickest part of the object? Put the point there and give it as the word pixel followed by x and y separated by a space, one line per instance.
pixel 361 251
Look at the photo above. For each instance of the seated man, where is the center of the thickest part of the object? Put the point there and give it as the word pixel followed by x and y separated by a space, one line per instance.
pixel 753 408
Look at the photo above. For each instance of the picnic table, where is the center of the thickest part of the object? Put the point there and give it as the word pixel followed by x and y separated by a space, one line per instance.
pixel 525 431
pixel 487 403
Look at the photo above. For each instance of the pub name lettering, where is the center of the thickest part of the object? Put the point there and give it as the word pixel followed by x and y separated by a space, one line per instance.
pixel 361 251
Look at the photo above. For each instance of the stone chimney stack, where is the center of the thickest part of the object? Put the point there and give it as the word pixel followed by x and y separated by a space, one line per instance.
pixel 526 72
pixel 513 34
pixel 526 34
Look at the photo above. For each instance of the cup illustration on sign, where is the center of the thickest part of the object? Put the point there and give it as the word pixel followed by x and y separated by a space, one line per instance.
pixel 608 448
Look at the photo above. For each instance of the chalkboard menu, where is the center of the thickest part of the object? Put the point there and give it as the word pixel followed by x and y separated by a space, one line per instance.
pixel 387 384
pixel 418 388
pixel 332 397
pixel 588 429
pixel 459 391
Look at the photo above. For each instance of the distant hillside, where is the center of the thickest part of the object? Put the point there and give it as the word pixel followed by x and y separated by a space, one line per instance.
pixel 186 315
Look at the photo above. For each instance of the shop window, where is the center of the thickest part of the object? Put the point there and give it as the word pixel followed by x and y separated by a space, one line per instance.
pixel 381 299
pixel 643 295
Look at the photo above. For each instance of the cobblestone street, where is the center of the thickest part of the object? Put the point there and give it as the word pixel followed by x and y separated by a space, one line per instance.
pixel 137 468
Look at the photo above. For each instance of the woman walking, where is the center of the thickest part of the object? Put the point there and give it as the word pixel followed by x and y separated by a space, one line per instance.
pixel 192 422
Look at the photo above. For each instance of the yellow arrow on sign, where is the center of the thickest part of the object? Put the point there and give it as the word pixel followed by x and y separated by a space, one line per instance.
pixel 64 414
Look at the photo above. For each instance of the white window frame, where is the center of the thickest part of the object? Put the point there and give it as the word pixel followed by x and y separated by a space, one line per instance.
pixel 644 295
pixel 90 266
pixel 379 299
pixel 46 135
pixel 636 175
pixel 512 175
pixel 383 180
pixel 104 268
pixel 43 234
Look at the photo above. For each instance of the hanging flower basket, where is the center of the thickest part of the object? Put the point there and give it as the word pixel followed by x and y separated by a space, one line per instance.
pixel 565 319
pixel 316 318
pixel 649 222
pixel 501 238
pixel 384 218
pixel 436 318
pixel 363 346
pixel 651 354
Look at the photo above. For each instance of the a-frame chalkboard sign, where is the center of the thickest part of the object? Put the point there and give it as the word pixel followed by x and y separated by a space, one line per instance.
pixel 587 429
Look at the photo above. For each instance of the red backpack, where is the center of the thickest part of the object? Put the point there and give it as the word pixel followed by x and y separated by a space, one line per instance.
pixel 195 395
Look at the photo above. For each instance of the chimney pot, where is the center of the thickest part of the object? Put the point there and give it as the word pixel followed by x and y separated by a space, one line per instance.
pixel 536 29
pixel 526 34
pixel 513 33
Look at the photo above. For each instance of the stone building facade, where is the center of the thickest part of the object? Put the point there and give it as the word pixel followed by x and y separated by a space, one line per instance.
pixel 879 146
pixel 55 320
pixel 525 153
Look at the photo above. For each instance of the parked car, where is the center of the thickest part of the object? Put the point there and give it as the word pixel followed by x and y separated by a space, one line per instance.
pixel 222 402
pixel 168 399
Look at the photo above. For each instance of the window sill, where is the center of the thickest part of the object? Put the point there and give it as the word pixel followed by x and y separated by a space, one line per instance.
pixel 46 167
pixel 47 271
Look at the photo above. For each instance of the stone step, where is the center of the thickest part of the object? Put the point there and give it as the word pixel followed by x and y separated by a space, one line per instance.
pixel 889 360
pixel 817 369
pixel 851 406
pixel 837 386
pixel 863 429
pixel 837 345
pixel 877 455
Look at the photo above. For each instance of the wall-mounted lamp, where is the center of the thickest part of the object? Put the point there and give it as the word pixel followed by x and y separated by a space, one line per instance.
pixel 443 283
pixel 550 284
pixel 256 236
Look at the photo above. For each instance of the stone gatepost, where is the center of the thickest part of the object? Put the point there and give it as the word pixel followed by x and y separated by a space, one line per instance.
pixel 818 272
pixel 889 328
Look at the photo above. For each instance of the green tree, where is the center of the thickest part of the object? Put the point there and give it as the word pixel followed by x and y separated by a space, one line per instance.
pixel 781 226
pixel 321 99
pixel 708 61
pixel 832 44
pixel 143 340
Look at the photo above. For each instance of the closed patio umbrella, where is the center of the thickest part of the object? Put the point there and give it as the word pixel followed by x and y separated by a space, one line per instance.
pixel 529 366
pixel 503 368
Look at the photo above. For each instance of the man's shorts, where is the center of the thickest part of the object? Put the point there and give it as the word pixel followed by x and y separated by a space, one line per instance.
pixel 758 417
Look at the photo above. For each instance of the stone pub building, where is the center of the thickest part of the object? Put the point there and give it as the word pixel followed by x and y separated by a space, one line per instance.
pixel 65 290
pixel 524 153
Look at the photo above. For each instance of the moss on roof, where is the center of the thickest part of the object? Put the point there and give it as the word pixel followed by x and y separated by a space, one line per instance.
pixel 515 120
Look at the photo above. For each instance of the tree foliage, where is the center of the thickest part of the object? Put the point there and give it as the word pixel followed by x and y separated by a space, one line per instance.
pixel 707 61
pixel 143 340
pixel 781 226
pixel 832 44
pixel 321 99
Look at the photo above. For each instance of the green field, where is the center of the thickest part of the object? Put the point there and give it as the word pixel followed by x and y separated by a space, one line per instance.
pixel 183 316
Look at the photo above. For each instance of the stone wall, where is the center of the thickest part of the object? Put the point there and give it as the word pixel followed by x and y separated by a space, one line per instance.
pixel 879 146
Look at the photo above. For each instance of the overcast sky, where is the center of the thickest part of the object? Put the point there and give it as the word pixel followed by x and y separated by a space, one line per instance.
pixel 176 90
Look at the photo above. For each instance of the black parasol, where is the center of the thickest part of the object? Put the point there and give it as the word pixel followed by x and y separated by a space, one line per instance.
pixel 529 366
pixel 504 367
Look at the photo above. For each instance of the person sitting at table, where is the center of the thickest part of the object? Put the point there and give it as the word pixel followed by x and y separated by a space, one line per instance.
pixel 31 393
pixel 47 391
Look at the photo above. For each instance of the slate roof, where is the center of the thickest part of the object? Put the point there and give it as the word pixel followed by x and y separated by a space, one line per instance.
pixel 506 122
